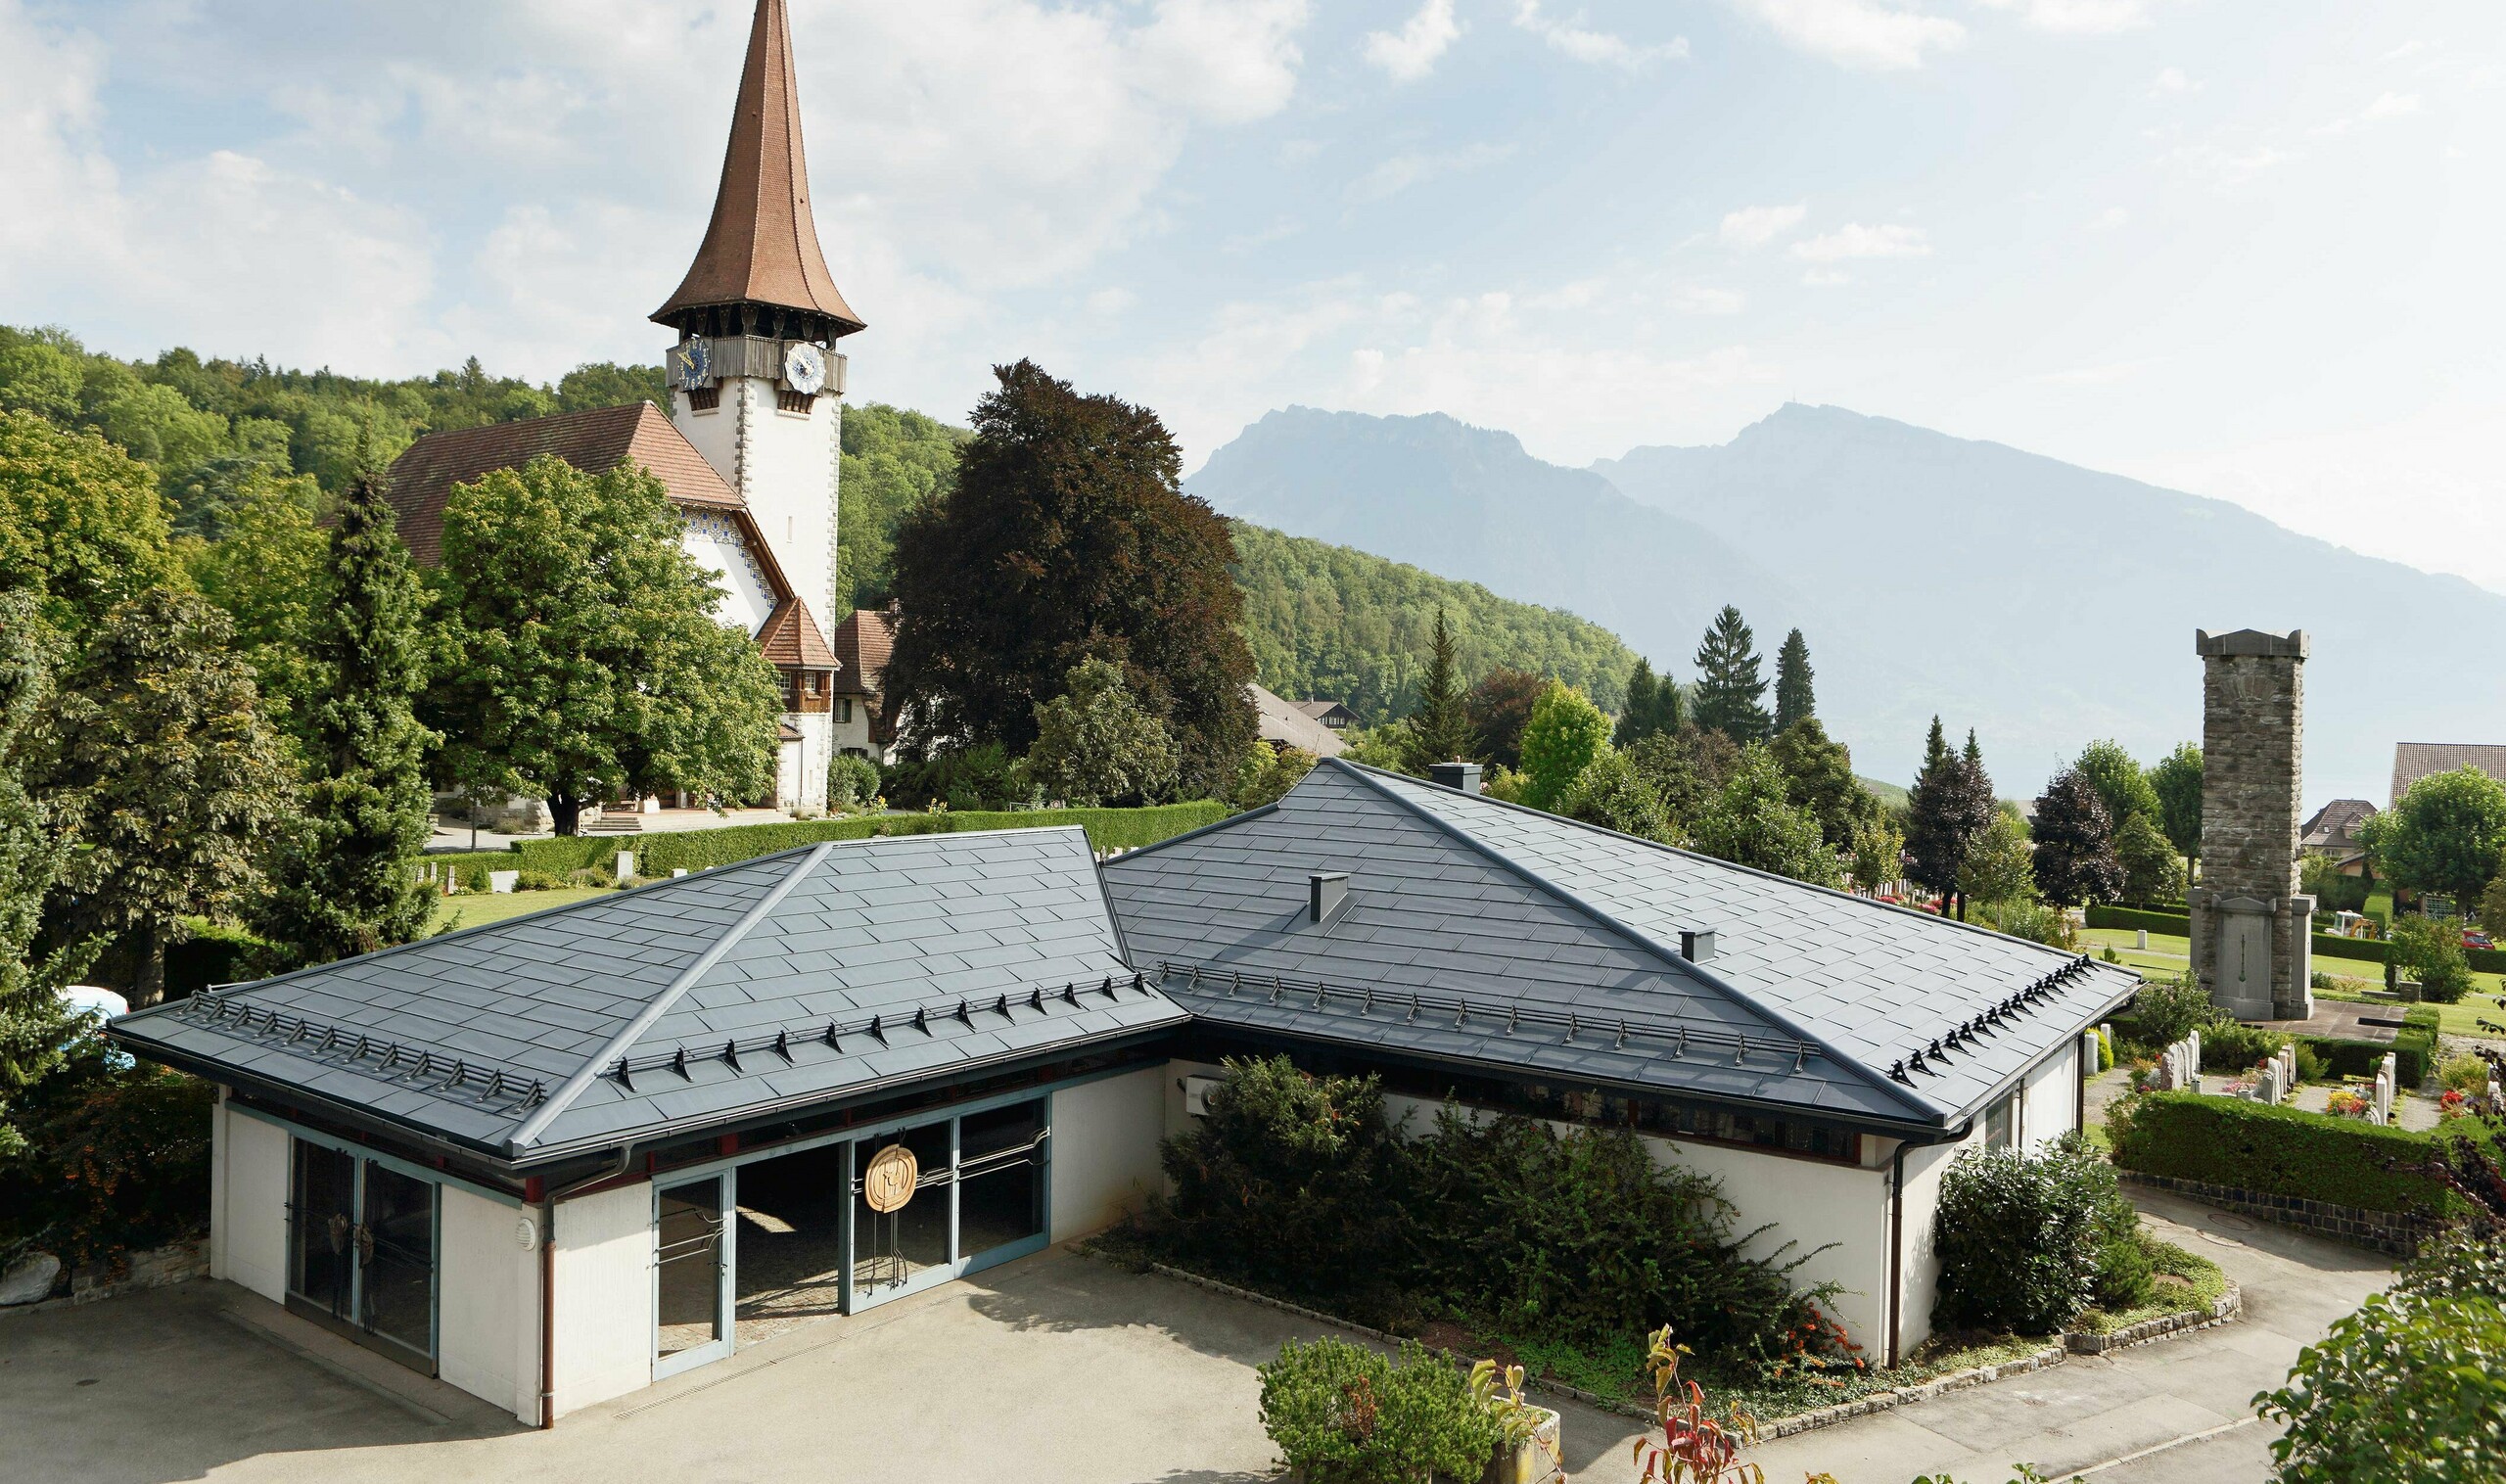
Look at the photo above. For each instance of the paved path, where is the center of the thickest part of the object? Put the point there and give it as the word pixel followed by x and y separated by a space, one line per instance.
pixel 1057 1370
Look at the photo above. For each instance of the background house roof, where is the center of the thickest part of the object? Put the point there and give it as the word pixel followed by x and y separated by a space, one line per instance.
pixel 963 944
pixel 1469 900
pixel 862 643
pixel 1287 723
pixel 594 442
pixel 790 637
pixel 2414 760
pixel 2335 826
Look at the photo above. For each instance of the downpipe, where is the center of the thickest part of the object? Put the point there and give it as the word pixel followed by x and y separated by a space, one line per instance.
pixel 548 1280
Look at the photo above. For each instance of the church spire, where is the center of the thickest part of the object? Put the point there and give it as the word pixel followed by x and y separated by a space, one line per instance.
pixel 761 252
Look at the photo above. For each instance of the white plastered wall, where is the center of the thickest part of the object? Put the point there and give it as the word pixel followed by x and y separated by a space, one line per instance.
pixel 2049 1104
pixel 488 1304
pixel 1919 1282
pixel 248 1202
pixel 1809 1202
pixel 784 466
pixel 604 1299
pixel 1104 1149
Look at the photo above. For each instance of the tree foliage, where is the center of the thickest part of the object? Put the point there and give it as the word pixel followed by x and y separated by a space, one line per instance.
pixel 2446 834
pixel 35 851
pixel 2151 870
pixel 1794 699
pixel 1500 708
pixel 1653 707
pixel 1097 745
pixel 1566 733
pixel 1999 868
pixel 1752 822
pixel 1068 537
pixel 2019 1236
pixel 1270 770
pixel 168 773
pixel 81 525
pixel 1729 688
pixel 1949 805
pixel 1667 762
pixel 265 569
pixel 580 652
pixel 346 884
pixel 1819 777
pixel 1440 729
pixel 1612 792
pixel 2120 784
pixel 2075 843
pixel 894 461
pixel 2176 780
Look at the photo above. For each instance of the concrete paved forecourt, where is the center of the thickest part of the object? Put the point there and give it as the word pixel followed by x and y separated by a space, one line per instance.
pixel 1057 1370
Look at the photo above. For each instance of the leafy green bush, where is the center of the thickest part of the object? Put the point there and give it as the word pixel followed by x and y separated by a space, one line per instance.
pixel 2409 1387
pixel 2227 1046
pixel 2166 1011
pixel 115 1160
pixel 2105 1049
pixel 2432 951
pixel 851 782
pixel 2022 1236
pixel 2277 1151
pixel 1342 1414
pixel 2465 1074
pixel 529 880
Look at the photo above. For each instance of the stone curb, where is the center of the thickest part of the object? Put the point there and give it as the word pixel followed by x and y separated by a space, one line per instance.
pixel 2392 1234
pixel 156 1268
pixel 2229 1306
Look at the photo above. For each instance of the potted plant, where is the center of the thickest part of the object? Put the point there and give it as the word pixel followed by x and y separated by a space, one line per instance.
pixel 1528 1450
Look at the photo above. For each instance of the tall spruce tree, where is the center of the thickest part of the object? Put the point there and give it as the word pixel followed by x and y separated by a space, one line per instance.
pixel 1730 691
pixel 348 884
pixel 1793 699
pixel 1950 806
pixel 1440 729
pixel 1653 707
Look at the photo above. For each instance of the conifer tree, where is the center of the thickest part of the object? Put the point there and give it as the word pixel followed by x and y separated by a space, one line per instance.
pixel 1652 705
pixel 1730 691
pixel 1950 807
pixel 1794 700
pixel 1440 729
pixel 348 884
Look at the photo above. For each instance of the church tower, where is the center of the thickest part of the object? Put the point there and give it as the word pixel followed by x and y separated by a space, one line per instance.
pixel 755 379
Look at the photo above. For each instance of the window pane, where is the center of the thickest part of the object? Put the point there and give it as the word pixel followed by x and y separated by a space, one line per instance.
pixel 322 1265
pixel 1001 1161
pixel 399 1248
pixel 889 1249
pixel 691 1265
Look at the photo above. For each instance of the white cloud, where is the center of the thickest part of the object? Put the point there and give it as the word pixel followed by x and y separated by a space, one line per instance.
pixel 2230 166
pixel 2385 105
pixel 2110 219
pixel 2081 16
pixel 1855 241
pixel 1410 52
pixel 1402 171
pixel 1825 278
pixel 1583 44
pixel 1700 299
pixel 1756 226
pixel 2170 82
pixel 1858 34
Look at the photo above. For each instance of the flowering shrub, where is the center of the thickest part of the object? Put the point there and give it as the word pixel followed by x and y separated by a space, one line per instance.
pixel 2348 1105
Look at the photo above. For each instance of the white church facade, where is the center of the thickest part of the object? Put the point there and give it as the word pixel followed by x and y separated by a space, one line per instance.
pixel 750 448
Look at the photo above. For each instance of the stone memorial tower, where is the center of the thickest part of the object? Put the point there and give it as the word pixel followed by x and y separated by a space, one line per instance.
pixel 2251 929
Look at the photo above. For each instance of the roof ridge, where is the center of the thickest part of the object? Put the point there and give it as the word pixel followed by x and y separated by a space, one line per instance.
pixel 1670 956
pixel 653 1010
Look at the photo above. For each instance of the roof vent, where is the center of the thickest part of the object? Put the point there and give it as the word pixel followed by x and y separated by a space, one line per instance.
pixel 1462 777
pixel 1326 892
pixel 1697 944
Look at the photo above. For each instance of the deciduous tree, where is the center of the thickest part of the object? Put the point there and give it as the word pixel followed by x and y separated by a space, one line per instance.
pixel 346 883
pixel 1794 700
pixel 1567 732
pixel 265 569
pixel 1667 764
pixel 2151 870
pixel 2176 780
pixel 2444 835
pixel 81 525
pixel 173 781
pixel 580 652
pixel 1819 777
pixel 1729 688
pixel 2075 843
pixel 1998 869
pixel 1096 744
pixel 1069 537
pixel 1753 824
pixel 34 850
pixel 1500 707
pixel 1613 794
pixel 2118 780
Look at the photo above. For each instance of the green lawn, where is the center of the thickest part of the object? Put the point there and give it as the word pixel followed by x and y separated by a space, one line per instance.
pixel 473 909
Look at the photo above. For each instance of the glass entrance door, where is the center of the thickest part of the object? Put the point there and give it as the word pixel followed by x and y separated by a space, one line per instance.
pixel 361 1252
pixel 691 1276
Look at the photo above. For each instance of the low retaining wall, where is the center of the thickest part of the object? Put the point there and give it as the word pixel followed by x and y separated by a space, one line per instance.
pixel 2229 1306
pixel 156 1268
pixel 2383 1231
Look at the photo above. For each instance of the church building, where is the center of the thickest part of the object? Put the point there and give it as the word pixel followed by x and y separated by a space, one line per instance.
pixel 750 450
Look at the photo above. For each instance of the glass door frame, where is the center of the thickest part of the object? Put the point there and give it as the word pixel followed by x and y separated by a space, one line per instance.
pixel 353 1328
pixel 726 1259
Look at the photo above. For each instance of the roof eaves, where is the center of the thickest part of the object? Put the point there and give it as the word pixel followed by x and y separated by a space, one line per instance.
pixel 547 1113
pixel 1670 956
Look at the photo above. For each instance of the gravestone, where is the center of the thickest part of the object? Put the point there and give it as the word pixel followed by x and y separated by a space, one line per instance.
pixel 2251 927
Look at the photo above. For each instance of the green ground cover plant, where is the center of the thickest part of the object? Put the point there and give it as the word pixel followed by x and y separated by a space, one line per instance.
pixel 1344 1413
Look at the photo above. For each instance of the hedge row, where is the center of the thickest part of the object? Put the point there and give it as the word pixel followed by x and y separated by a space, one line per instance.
pixel 2279 1151
pixel 658 855
pixel 2175 923
pixel 2326 945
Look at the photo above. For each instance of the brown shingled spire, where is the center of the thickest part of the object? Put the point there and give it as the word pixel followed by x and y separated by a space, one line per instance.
pixel 761 247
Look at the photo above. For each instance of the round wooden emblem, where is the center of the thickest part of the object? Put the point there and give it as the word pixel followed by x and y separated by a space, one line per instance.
pixel 888 1181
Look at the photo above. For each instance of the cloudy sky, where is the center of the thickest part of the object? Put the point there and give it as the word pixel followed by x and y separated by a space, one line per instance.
pixel 2249 250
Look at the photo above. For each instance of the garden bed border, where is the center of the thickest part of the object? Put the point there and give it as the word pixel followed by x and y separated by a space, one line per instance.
pixel 2226 1308
pixel 2394 1233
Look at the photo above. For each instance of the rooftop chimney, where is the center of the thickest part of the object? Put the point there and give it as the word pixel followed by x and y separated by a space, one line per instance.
pixel 1325 892
pixel 1697 944
pixel 1462 777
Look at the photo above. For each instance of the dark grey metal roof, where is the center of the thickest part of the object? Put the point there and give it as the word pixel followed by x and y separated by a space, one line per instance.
pixel 790 979
pixel 1484 910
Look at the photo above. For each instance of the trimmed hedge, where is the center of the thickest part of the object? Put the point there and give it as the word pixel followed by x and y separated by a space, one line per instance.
pixel 659 854
pixel 2175 923
pixel 2277 1152
pixel 2326 945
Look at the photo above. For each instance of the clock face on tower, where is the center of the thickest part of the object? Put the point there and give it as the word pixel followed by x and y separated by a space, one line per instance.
pixel 804 368
pixel 689 363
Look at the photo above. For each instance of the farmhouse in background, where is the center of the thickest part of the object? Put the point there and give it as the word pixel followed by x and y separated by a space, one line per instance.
pixel 2414 760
